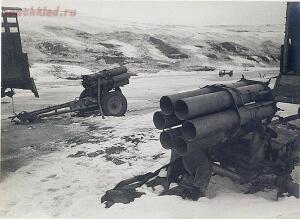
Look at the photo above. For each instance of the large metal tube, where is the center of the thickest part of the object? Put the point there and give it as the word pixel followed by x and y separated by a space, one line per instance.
pixel 162 121
pixel 183 147
pixel 195 106
pixel 167 103
pixel 167 137
pixel 122 83
pixel 116 71
pixel 108 72
pixel 223 121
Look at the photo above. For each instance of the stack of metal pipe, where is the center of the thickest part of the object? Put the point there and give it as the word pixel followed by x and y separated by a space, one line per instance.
pixel 204 117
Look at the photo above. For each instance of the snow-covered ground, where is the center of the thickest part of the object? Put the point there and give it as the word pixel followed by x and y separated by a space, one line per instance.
pixel 58 184
pixel 62 166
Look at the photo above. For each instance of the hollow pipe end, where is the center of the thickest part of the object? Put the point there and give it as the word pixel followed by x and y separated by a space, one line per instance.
pixel 181 110
pixel 189 131
pixel 166 105
pixel 166 140
pixel 159 120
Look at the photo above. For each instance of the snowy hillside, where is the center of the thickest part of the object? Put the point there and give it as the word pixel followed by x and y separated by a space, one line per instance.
pixel 96 43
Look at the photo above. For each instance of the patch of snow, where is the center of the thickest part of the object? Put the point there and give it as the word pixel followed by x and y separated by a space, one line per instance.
pixel 287 109
pixel 157 54
pixel 191 48
pixel 42 72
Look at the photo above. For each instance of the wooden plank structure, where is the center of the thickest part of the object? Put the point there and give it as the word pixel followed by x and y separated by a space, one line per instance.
pixel 14 67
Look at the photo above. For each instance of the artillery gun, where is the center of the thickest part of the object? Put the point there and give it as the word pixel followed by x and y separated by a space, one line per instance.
pixel 231 130
pixel 228 130
pixel 102 94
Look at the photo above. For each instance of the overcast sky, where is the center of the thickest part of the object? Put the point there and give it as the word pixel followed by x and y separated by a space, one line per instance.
pixel 170 12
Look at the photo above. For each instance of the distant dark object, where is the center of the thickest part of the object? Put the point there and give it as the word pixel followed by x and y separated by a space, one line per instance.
pixel 14 63
pixel 201 68
pixel 102 94
pixel 226 72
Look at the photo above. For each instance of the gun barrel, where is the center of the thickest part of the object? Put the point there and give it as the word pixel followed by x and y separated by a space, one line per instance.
pixel 162 121
pixel 195 106
pixel 108 73
pixel 121 77
pixel 224 121
pixel 167 103
pixel 116 71
pixel 167 138
pixel 184 147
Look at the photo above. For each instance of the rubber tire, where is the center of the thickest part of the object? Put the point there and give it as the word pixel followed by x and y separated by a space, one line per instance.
pixel 116 95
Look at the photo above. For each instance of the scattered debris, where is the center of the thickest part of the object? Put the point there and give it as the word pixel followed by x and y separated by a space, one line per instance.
pixel 155 157
pixel 133 139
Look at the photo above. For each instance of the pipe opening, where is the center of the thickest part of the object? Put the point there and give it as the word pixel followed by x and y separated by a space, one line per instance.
pixel 189 131
pixel 166 140
pixel 180 146
pixel 181 110
pixel 159 120
pixel 166 105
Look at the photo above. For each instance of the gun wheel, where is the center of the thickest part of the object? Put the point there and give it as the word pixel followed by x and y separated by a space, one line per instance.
pixel 114 104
